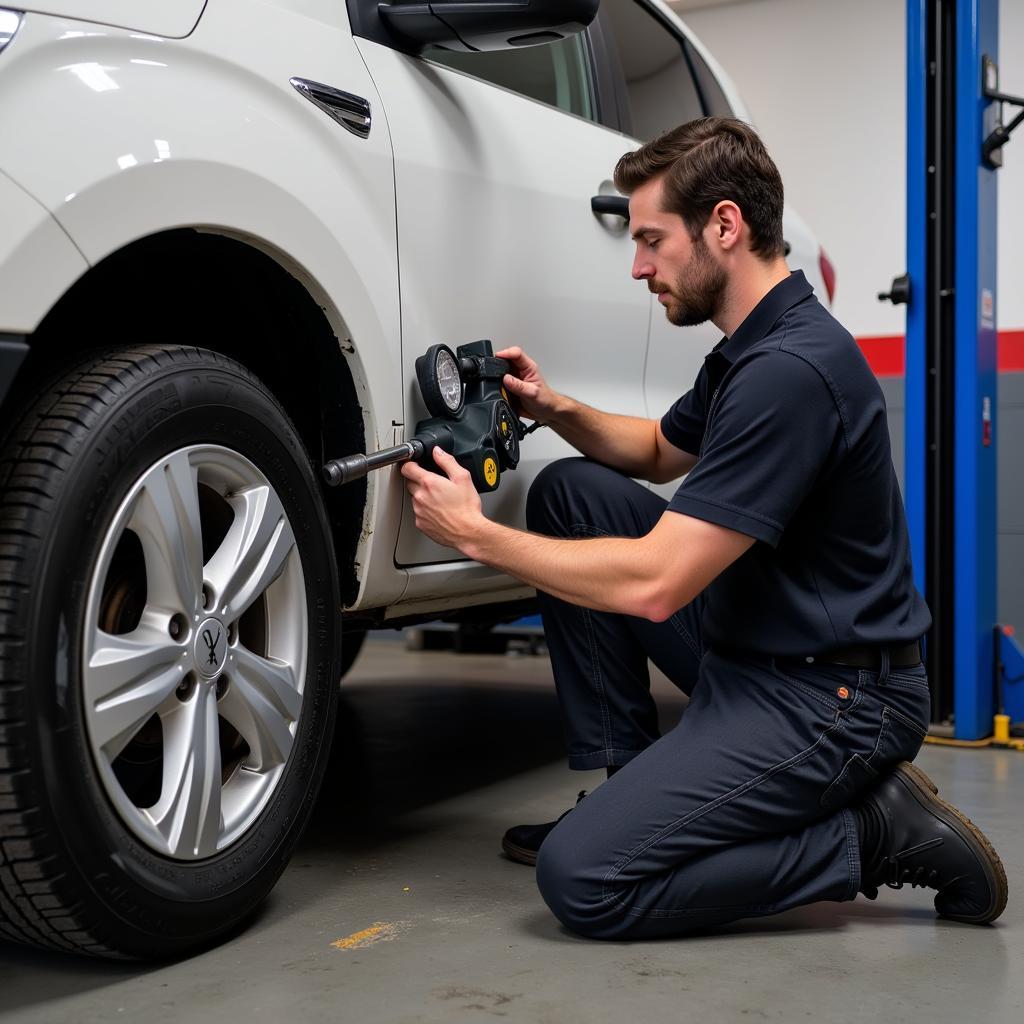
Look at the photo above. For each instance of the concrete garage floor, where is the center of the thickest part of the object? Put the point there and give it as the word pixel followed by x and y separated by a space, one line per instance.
pixel 399 906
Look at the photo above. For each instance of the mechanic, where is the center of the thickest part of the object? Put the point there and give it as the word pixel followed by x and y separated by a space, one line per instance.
pixel 774 589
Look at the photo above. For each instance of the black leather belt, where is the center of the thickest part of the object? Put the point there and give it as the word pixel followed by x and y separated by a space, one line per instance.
pixel 866 656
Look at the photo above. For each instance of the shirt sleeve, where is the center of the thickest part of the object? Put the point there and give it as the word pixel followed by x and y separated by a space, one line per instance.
pixel 770 435
pixel 683 425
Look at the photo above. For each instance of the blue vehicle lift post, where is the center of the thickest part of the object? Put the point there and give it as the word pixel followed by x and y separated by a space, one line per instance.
pixel 954 138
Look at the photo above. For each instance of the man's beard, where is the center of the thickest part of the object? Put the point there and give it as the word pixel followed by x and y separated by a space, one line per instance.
pixel 698 291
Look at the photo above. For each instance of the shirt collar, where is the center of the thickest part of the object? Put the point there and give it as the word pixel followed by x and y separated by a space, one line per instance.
pixel 763 316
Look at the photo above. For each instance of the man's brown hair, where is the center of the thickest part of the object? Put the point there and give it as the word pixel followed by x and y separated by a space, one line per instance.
pixel 704 162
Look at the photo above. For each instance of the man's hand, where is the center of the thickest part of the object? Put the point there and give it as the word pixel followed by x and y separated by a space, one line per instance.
pixel 447 508
pixel 530 393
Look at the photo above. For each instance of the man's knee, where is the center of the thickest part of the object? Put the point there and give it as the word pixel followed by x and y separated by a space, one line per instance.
pixel 579 895
pixel 552 505
pixel 550 496
pixel 560 885
pixel 571 889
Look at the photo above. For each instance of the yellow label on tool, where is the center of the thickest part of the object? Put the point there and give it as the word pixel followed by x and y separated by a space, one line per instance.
pixel 490 471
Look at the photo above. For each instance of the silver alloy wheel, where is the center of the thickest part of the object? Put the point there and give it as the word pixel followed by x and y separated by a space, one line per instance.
pixel 194 653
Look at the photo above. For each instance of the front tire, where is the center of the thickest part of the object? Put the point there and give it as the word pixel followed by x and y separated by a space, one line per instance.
pixel 170 659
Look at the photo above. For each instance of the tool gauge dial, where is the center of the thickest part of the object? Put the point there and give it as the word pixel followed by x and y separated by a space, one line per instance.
pixel 440 381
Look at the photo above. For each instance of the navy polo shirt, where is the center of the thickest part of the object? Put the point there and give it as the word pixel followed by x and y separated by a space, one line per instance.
pixel 789 426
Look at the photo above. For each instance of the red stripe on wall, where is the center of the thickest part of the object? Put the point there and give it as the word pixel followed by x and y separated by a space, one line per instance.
pixel 1011 350
pixel 885 355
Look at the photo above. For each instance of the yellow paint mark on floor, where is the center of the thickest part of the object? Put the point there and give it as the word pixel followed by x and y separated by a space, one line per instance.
pixel 379 931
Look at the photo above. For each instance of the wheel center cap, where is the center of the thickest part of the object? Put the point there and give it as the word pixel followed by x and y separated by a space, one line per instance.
pixel 211 647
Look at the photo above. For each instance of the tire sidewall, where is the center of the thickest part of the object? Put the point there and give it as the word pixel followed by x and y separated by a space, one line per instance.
pixel 162 903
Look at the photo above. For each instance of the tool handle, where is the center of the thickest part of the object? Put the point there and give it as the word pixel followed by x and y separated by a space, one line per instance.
pixel 355 467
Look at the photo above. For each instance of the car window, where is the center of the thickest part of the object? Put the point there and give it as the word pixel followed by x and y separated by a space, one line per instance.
pixel 715 102
pixel 554 73
pixel 659 86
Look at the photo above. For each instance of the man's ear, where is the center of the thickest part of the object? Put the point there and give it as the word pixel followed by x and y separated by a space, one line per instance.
pixel 726 223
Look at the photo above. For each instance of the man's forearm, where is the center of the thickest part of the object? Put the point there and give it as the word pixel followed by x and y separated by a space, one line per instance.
pixel 626 443
pixel 607 574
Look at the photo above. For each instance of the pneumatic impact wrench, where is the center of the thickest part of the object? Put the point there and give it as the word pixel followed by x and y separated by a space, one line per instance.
pixel 471 419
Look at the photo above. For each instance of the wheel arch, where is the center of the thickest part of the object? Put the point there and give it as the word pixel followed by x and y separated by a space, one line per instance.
pixel 225 294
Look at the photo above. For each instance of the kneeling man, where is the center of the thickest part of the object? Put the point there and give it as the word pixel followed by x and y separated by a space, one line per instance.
pixel 775 589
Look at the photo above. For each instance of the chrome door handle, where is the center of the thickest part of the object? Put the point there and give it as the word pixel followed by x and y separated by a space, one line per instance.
pixel 350 111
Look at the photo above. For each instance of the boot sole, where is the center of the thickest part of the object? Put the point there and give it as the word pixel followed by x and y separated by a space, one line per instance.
pixel 927 795
pixel 520 854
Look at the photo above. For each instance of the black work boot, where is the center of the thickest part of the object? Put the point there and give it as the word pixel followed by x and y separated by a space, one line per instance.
pixel 521 842
pixel 910 834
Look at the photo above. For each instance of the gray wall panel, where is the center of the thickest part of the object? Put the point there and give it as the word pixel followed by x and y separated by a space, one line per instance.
pixel 1010 422
pixel 1010 514
pixel 892 388
pixel 1011 579
pixel 1010 535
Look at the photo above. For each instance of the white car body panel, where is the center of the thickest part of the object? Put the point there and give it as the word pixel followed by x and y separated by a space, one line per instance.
pixel 172 18
pixel 38 261
pixel 493 195
pixel 514 206
pixel 241 154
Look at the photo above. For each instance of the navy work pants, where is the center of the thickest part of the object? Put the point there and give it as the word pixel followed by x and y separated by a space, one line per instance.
pixel 741 810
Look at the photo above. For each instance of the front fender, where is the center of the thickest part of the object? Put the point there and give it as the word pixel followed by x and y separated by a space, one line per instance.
pixel 38 261
pixel 125 136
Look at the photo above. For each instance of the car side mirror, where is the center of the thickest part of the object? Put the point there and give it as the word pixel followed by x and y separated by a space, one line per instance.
pixel 475 25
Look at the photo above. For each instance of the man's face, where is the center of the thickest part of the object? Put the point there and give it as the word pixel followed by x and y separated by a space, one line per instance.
pixel 680 270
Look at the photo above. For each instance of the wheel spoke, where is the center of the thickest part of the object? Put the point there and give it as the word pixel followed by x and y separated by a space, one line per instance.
pixel 188 813
pixel 127 679
pixel 262 703
pixel 253 553
pixel 166 520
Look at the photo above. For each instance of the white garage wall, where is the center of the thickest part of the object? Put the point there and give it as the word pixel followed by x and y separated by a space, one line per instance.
pixel 825 84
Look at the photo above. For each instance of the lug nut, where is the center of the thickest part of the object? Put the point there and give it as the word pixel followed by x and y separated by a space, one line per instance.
pixel 186 688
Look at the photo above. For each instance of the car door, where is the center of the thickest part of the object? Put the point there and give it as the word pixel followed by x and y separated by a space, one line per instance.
pixel 497 156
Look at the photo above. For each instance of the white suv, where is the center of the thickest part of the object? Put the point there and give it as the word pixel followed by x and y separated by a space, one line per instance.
pixel 228 230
